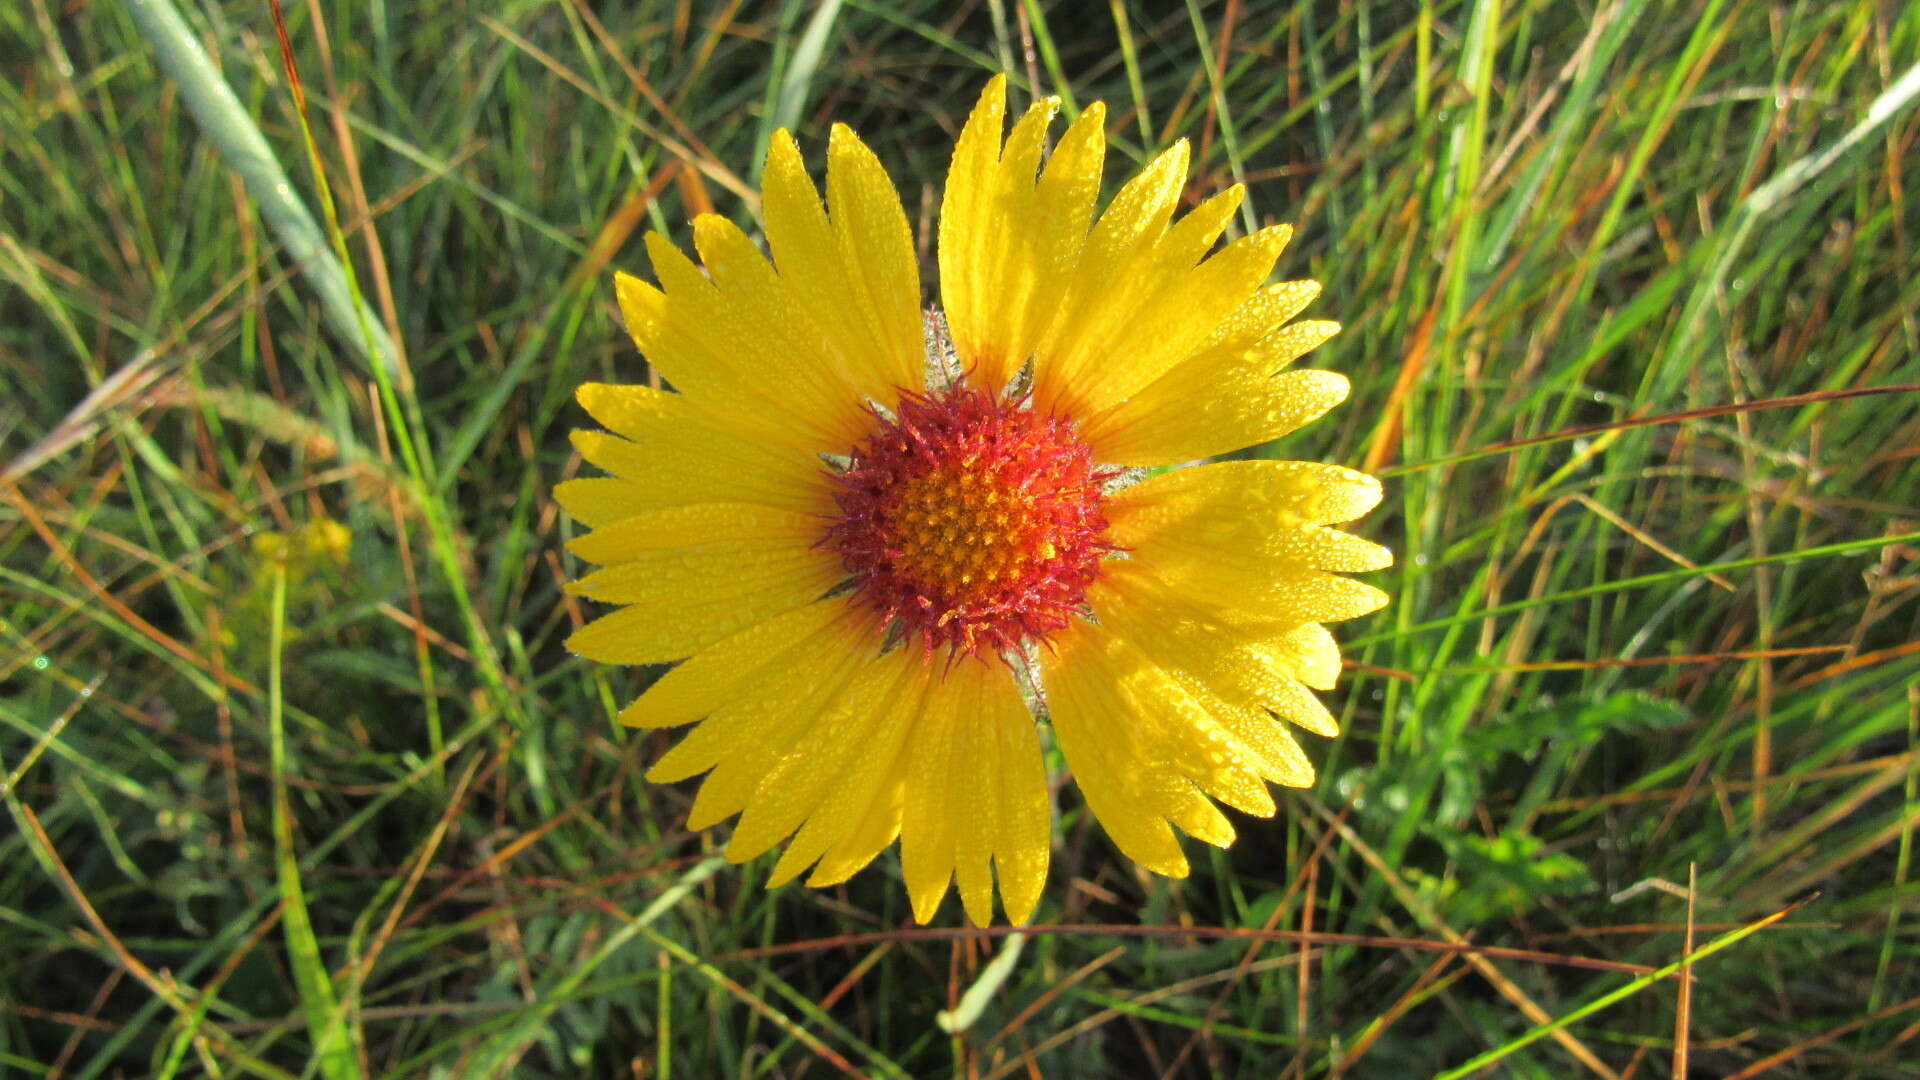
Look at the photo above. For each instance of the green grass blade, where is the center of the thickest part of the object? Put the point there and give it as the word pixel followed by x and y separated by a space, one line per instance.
pixel 333 1044
pixel 1615 996
pixel 245 150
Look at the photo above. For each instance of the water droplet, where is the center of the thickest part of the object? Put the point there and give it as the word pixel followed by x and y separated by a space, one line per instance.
pixel 41 663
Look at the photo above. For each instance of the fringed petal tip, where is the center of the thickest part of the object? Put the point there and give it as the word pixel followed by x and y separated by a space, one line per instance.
pixel 1018 898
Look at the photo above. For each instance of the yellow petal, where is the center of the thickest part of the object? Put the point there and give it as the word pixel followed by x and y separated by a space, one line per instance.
pixel 1246 529
pixel 1190 237
pixel 734 667
pixel 1235 672
pixel 797 230
pixel 1271 585
pixel 997 279
pixel 1137 218
pixel 1169 325
pixel 1317 656
pixel 682 600
pixel 656 320
pixel 1025 813
pixel 1289 597
pixel 1221 402
pixel 1012 794
pixel 1039 237
pixel 694 530
pixel 676 452
pixel 720 341
pixel 932 814
pixel 876 247
pixel 1063 200
pixel 687 586
pixel 975 790
pixel 1109 705
pixel 1124 238
pixel 1254 333
pixel 869 836
pixel 875 761
pixel 777 344
pixel 1281 491
pixel 745 737
pixel 1123 295
pixel 676 336
pixel 834 744
pixel 1247 540
pixel 1266 311
pixel 602 500
pixel 672 470
pixel 966 227
pixel 808 251
pixel 1245 661
pixel 1175 723
pixel 863 815
pixel 1291 699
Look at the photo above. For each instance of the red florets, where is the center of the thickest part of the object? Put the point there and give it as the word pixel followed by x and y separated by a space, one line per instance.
pixel 973 522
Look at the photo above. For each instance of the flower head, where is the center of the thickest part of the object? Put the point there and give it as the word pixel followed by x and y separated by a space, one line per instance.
pixel 849 549
pixel 973 522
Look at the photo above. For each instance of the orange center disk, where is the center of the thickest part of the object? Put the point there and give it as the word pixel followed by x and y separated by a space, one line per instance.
pixel 972 522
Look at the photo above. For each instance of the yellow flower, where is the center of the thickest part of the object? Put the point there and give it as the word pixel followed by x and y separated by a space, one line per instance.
pixel 853 525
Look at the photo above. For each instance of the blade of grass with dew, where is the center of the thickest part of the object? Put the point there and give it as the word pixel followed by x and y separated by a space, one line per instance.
pixel 797 72
pixel 1614 997
pixel 333 1043
pixel 226 122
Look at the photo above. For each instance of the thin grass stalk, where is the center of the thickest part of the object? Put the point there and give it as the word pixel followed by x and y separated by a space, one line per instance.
pixel 223 120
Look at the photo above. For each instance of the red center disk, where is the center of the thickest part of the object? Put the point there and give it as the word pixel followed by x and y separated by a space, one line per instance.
pixel 975 523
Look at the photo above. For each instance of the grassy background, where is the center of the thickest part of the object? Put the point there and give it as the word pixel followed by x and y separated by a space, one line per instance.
pixel 302 782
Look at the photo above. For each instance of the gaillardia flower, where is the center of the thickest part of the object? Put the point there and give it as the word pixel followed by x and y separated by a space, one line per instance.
pixel 872 536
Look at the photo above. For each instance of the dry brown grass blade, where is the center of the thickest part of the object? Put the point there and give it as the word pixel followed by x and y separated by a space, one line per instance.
pixel 753 1001
pixel 65 555
pixel 1683 1008
pixel 1302 879
pixel 1457 946
pixel 1479 958
pixel 1638 661
pixel 1108 1015
pixel 84 420
pixel 161 985
pixel 1052 992
pixel 1428 978
pixel 1385 442
pixel 1647 538
pixel 1707 413
pixel 620 224
pixel 704 163
pixel 1774 1060
pixel 1856 663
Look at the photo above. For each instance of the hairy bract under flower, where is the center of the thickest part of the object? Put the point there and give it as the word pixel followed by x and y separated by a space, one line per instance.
pixel 849 547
